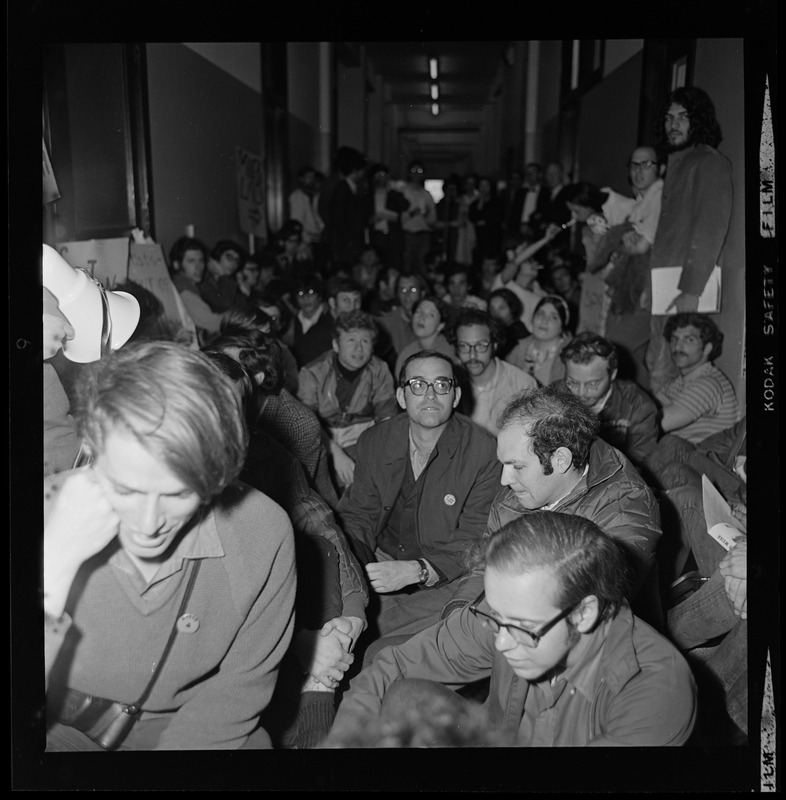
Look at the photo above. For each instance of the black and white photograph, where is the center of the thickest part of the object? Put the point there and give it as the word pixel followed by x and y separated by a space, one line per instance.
pixel 396 398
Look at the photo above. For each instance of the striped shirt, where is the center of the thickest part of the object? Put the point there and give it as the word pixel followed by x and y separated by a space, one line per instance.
pixel 708 396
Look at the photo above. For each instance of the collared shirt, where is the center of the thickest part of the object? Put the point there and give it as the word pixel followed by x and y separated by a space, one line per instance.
pixel 309 322
pixel 530 203
pixel 419 460
pixel 601 404
pixel 491 398
pixel 419 197
pixel 549 710
pixel 201 541
pixel 582 481
pixel 646 211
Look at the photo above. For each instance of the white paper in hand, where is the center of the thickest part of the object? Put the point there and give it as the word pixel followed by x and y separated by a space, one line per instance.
pixel 721 523
pixel 665 281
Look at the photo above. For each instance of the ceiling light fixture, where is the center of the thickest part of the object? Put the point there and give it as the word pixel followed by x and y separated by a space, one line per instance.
pixel 435 109
pixel 433 68
pixel 434 91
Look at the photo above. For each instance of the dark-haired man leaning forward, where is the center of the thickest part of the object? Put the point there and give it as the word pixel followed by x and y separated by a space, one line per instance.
pixel 569 664
pixel 553 460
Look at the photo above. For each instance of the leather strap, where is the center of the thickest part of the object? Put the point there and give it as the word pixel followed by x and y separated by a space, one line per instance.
pixel 194 566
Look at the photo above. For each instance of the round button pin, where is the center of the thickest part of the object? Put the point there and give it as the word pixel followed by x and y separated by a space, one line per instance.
pixel 450 500
pixel 188 623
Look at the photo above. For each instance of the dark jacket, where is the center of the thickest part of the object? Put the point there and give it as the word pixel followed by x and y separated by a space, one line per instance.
pixel 615 497
pixel 455 490
pixel 628 421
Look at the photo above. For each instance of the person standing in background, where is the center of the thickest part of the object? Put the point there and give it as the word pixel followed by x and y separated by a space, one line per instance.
pixel 695 209
pixel 419 220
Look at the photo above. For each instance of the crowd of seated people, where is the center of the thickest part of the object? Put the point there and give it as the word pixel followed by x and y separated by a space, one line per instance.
pixel 436 439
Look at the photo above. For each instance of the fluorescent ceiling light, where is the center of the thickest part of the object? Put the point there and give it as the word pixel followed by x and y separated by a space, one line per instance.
pixel 435 109
pixel 434 91
pixel 432 68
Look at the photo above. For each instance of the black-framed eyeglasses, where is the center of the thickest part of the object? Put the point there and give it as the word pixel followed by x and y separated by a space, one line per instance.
pixel 408 289
pixel 519 634
pixel 417 170
pixel 641 164
pixel 306 292
pixel 478 347
pixel 419 387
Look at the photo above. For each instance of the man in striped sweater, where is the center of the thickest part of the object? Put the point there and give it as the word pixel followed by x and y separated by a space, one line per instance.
pixel 700 401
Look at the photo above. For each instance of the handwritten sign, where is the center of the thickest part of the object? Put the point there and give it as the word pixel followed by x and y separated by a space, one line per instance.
pixel 105 259
pixel 51 192
pixel 250 193
pixel 147 268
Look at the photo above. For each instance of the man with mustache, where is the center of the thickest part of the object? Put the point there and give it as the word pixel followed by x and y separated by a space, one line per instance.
pixel 695 208
pixel 476 335
pixel 700 401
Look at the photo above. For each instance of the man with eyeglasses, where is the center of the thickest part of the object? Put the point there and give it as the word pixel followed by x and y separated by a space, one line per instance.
pixel 422 489
pixel 396 323
pixel 312 329
pixel 418 220
pixel 569 664
pixel 628 320
pixel 553 460
pixel 627 415
pixel 476 335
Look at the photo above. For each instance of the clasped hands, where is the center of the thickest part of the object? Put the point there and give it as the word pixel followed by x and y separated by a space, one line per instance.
pixel 327 653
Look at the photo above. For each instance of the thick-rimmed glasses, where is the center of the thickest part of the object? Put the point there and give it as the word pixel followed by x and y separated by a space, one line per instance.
pixel 419 387
pixel 637 165
pixel 478 347
pixel 519 634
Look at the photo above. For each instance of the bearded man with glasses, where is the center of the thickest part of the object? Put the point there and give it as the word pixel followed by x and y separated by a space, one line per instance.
pixel 476 335
pixel 423 486
pixel 569 664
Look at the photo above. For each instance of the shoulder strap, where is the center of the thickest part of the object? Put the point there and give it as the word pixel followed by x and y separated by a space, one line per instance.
pixel 194 567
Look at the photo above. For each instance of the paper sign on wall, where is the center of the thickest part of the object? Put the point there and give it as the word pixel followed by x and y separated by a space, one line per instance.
pixel 250 193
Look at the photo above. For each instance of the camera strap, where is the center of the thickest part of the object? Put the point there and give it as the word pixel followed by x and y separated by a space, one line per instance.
pixel 194 570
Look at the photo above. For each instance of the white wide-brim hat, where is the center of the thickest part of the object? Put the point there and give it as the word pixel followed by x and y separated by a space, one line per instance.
pixel 79 298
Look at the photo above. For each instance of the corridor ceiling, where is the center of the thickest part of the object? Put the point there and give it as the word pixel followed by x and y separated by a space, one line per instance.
pixel 469 75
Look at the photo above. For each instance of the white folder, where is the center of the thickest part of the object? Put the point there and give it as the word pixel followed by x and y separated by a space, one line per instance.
pixel 665 281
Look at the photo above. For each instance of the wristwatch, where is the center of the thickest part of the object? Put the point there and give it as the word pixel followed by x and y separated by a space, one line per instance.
pixel 424 572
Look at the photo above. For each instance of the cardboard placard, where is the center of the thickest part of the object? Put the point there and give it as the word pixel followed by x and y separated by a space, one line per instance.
pixel 105 259
pixel 147 268
pixel 250 193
